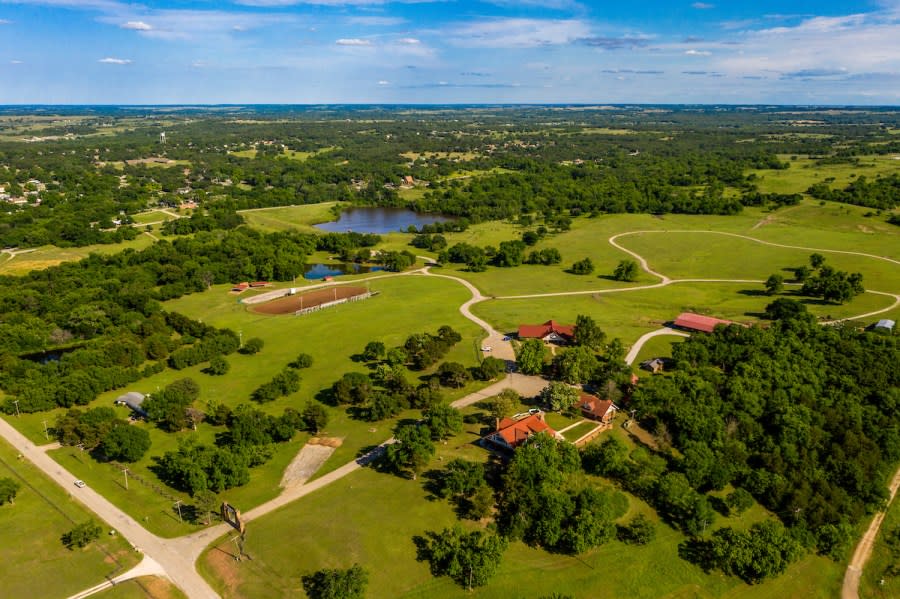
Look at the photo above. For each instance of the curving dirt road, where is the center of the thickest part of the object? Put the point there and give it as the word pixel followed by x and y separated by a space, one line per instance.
pixel 175 558
pixel 850 589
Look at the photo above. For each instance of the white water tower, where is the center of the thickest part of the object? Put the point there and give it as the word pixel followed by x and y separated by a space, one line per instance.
pixel 162 138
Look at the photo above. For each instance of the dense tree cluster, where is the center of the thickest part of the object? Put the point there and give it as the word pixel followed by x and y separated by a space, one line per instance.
pixel 102 432
pixel 882 192
pixel 102 315
pixel 469 558
pixel 544 502
pixel 246 442
pixel 796 414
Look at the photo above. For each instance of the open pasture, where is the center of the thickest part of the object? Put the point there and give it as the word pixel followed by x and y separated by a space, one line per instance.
pixel 381 513
pixel 404 305
pixel 31 553
pixel 805 172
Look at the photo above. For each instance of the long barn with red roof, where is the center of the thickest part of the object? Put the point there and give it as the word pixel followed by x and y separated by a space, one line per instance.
pixel 698 322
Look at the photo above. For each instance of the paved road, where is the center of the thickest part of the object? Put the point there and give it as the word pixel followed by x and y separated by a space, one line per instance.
pixel 863 551
pixel 525 385
pixel 500 346
pixel 147 567
pixel 161 551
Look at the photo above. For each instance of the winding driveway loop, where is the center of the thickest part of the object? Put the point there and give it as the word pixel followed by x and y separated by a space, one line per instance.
pixel 176 558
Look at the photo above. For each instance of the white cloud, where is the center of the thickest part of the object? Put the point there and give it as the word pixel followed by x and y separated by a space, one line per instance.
pixel 853 44
pixel 518 33
pixel 409 41
pixel 109 60
pixel 697 52
pixel 353 41
pixel 16 62
pixel 136 25
pixel 383 82
pixel 375 21
pixel 5 22
pixel 702 5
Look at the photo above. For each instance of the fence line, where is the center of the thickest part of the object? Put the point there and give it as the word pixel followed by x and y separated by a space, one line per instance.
pixel 344 300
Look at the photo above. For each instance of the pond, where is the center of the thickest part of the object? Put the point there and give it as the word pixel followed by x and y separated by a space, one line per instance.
pixel 320 271
pixel 379 220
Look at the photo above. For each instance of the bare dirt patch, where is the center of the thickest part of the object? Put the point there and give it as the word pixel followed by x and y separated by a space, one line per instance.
pixel 225 567
pixel 157 587
pixel 291 303
pixel 307 461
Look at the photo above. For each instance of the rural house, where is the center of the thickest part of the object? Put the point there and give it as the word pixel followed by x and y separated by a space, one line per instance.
pixel 550 332
pixel 511 433
pixel 594 408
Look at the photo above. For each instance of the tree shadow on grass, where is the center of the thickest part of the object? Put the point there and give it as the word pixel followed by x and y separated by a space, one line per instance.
pixel 754 292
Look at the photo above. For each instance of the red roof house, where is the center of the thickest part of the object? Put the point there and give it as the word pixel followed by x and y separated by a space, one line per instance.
pixel 241 287
pixel 698 322
pixel 549 331
pixel 260 284
pixel 603 410
pixel 511 433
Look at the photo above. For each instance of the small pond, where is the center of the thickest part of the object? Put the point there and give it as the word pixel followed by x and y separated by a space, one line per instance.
pixel 320 271
pixel 379 220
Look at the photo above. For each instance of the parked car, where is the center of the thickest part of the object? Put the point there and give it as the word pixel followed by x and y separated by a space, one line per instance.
pixel 486 348
pixel 79 483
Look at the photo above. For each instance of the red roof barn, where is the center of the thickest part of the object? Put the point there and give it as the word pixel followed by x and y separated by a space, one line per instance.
pixel 698 322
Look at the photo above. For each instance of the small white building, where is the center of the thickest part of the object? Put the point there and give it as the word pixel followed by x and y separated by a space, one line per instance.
pixel 884 325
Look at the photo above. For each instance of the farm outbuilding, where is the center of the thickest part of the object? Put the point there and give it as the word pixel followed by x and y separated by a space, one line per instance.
pixel 133 400
pixel 885 325
pixel 698 322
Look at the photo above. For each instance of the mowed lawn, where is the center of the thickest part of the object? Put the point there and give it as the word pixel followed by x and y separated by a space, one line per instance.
pixel 371 518
pixel 33 560
pixel 284 218
pixel 145 587
pixel 684 255
pixel 630 314
pixel 404 305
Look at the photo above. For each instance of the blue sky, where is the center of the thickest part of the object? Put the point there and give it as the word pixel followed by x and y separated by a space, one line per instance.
pixel 409 51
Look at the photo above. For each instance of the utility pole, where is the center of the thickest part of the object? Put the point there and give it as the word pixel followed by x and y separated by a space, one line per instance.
pixel 45 430
pixel 125 472
pixel 241 337
pixel 16 401
pixel 178 507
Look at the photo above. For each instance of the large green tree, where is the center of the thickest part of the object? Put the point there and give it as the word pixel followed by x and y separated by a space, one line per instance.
pixel 531 354
pixel 336 583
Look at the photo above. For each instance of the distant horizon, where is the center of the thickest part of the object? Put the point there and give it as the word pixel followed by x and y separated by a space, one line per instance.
pixel 301 52
pixel 597 105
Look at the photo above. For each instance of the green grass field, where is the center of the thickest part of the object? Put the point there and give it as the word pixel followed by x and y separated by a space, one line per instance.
pixel 145 587
pixel 47 256
pixel 630 314
pixel 803 173
pixel 33 560
pixel 290 217
pixel 370 518
pixel 405 305
pixel 870 586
